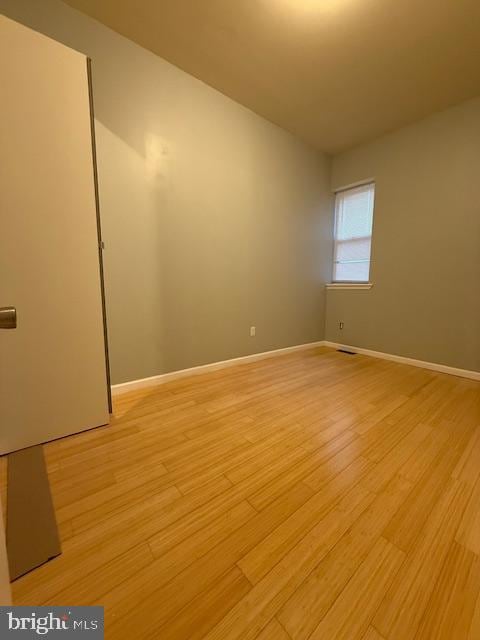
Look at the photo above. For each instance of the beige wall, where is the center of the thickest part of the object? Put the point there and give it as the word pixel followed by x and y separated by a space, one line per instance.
pixel 425 302
pixel 213 218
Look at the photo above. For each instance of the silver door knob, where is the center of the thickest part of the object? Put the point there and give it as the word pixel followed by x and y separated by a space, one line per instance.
pixel 8 318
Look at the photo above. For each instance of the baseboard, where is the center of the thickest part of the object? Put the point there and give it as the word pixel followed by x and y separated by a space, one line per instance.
pixel 433 366
pixel 153 381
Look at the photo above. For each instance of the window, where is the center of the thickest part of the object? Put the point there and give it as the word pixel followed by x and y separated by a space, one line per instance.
pixel 353 233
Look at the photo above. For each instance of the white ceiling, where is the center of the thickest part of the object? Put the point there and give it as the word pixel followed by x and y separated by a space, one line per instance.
pixel 334 72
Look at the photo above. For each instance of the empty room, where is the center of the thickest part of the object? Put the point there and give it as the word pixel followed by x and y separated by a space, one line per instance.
pixel 240 319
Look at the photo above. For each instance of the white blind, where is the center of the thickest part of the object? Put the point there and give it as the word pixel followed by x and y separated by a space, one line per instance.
pixel 353 234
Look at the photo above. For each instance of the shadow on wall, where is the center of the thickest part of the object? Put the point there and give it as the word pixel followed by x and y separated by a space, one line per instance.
pixel 213 219
pixel 223 220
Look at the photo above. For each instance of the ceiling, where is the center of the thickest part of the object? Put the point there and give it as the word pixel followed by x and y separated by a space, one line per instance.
pixel 334 72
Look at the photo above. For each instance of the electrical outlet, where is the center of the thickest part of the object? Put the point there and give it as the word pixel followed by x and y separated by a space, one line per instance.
pixel 340 325
pixel 253 331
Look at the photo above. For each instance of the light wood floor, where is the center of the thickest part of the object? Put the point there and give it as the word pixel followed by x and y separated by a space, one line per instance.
pixel 316 495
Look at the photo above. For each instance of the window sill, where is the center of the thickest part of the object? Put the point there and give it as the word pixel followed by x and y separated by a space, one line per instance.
pixel 349 285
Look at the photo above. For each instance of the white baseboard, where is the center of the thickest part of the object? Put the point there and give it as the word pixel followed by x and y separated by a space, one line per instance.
pixel 433 366
pixel 153 381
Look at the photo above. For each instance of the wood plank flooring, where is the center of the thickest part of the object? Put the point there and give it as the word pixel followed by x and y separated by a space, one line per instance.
pixel 309 496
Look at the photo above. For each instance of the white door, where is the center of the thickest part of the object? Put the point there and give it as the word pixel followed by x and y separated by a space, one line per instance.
pixel 53 374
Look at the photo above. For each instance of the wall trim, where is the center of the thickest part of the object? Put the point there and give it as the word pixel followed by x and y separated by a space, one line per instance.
pixel 348 285
pixel 433 366
pixel 162 378
pixel 153 381
pixel 353 185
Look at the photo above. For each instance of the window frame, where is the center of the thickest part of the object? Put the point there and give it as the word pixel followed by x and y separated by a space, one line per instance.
pixel 348 284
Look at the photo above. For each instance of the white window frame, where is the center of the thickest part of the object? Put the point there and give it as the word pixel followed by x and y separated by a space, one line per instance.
pixel 350 284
